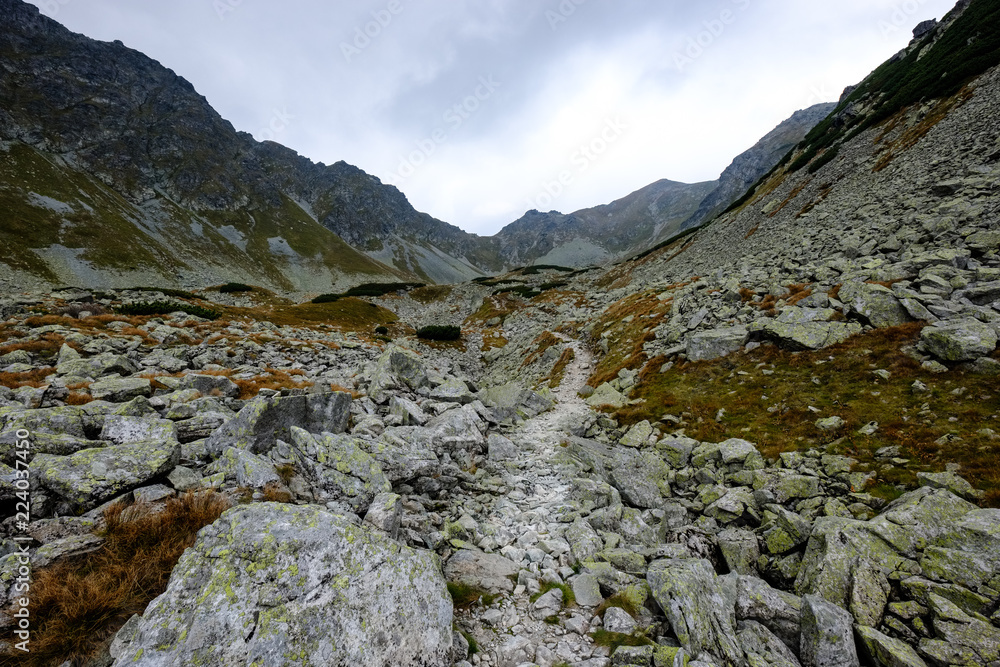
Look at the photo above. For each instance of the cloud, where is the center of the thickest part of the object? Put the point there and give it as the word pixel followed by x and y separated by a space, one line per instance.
pixel 377 83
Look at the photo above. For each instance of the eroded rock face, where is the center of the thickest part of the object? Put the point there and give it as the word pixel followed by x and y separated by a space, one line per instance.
pixel 279 584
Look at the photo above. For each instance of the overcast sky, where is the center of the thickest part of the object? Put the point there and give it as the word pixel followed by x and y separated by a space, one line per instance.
pixel 476 109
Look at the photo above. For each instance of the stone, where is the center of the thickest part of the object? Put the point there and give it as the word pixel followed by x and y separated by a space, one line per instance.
pixel 397 368
pixel 209 385
pixel 973 637
pixel 267 581
pixel 587 590
pixel 637 436
pixel 807 336
pixel 983 241
pixel 619 620
pixel 404 453
pixel 763 648
pixel 125 430
pixel 952 482
pixel 453 390
pixel 265 420
pixel 500 448
pixel 406 412
pixel 962 340
pixel 739 550
pixel 830 424
pixel 71 363
pixel 607 395
pixel 338 468
pixel 244 469
pixel 632 656
pixel 886 651
pixel 385 513
pixel 778 611
pixel 481 570
pixel 642 477
pixel 827 638
pixel 120 390
pixel 88 478
pixel 583 540
pixel 691 596
pixel 706 345
pixel 456 429
pixel 184 479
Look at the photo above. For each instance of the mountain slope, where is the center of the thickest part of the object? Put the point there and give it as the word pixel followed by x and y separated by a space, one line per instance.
pixel 177 171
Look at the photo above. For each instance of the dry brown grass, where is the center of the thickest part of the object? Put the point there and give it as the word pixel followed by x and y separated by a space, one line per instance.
pixel 47 345
pixel 78 398
pixel 559 370
pixel 272 379
pixel 912 135
pixel 33 378
pixel 791 197
pixel 77 606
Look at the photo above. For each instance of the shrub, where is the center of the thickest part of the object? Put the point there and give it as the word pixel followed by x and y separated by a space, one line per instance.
pixel 74 309
pixel 440 332
pixel 381 289
pixel 327 298
pixel 166 291
pixel 538 268
pixel 232 288
pixel 165 308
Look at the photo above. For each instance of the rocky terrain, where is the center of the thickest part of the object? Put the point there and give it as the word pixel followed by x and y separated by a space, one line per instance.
pixel 772 442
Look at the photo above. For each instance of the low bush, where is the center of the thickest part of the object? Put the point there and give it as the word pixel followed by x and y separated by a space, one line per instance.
pixel 440 332
pixel 381 289
pixel 165 308
pixel 233 288
pixel 327 298
pixel 167 291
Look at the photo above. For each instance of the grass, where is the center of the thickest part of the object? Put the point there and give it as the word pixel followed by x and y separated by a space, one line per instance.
pixel 465 596
pixel 612 640
pixel 619 600
pixel 569 598
pixel 79 605
pixel 559 370
pixel 629 323
pixel 34 378
pixel 773 411
pixel 165 308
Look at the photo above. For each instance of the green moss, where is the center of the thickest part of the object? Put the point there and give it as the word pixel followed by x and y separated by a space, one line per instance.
pixel 465 596
pixel 613 640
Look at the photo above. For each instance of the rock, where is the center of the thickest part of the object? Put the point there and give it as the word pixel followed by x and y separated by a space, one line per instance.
pixel 549 604
pixel 262 422
pixel 404 453
pixel 808 336
pixel 886 651
pixel 618 620
pixel 72 364
pixel 120 390
pixel 983 241
pixel 778 611
pixel 500 448
pixel 637 436
pixel 951 482
pixel 762 647
pixel 90 477
pixel 267 581
pixel 983 294
pixel 827 639
pixel 973 640
pixel 584 541
pixel 607 395
pixel 338 468
pixel 830 424
pixel 641 476
pixel 184 479
pixel 245 469
pixel 740 550
pixel 457 429
pixel 125 430
pixel 385 513
pixel 587 590
pixel 481 570
pixel 875 304
pixel 209 385
pixel 405 412
pixel 691 596
pixel 706 345
pixel 453 391
pixel 962 340
pixel 397 368
pixel 632 656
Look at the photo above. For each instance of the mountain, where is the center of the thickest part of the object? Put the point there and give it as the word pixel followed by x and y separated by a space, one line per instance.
pixel 115 169
pixel 749 166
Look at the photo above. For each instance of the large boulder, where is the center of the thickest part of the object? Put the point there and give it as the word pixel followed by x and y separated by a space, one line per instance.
pixel 261 423
pixel 642 477
pixel 512 401
pixel 490 572
pixel 397 368
pixel 806 336
pixel 272 584
pixel 827 635
pixel 338 468
pixel 874 303
pixel 72 363
pixel 962 340
pixel 404 453
pixel 88 478
pixel 691 596
pixel 706 345
pixel 460 428
pixel 120 390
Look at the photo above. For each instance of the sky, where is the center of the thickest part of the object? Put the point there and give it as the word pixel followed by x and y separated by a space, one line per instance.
pixel 479 110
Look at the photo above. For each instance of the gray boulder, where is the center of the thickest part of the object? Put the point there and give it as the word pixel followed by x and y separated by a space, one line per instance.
pixel 338 468
pixel 481 570
pixel 962 340
pixel 807 336
pixel 886 651
pixel 245 469
pixel 691 596
pixel 120 390
pixel 455 429
pixel 88 478
pixel 778 611
pixel 124 430
pixel 706 345
pixel 397 368
pixel 404 453
pixel 269 581
pixel 874 303
pixel 261 423
pixel 500 448
pixel 827 635
pixel 385 513
pixel 642 477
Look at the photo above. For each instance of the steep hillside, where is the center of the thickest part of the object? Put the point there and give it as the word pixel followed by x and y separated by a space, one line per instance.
pixel 105 143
